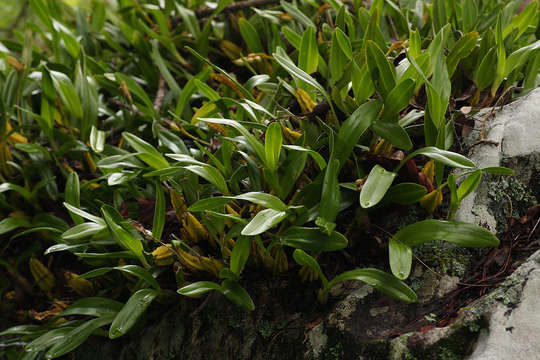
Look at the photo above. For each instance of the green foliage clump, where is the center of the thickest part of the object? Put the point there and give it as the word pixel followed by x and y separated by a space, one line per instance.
pixel 154 145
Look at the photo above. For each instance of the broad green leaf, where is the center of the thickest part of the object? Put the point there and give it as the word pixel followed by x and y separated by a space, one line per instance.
pixel 251 139
pixel 210 174
pixel 445 157
pixel 84 214
pixel 199 288
pixel 122 237
pixel 263 221
pixel 130 313
pixel 71 195
pixel 135 270
pixel 159 213
pixel 483 75
pixel 19 189
pixel 93 306
pixel 382 71
pixel 405 193
pixel 312 239
pixel 394 133
pixel 137 91
pixel 12 223
pixel 304 259
pixel 83 230
pixel 383 282
pixel 308 54
pixel 66 91
pixel 338 60
pixel 498 170
pixel 398 99
pixel 76 337
pixel 47 340
pixel 272 145
pixel 21 330
pixel 240 254
pixel 459 233
pixel 146 152
pixel 321 163
pixel 500 72
pixel 259 198
pixel 353 128
pixel 330 197
pixel 281 57
pixel 400 256
pixel 234 292
pixel 377 184
pixel 297 14
pixel 462 49
pixel 362 85
pixel 469 184
pixel 97 139
pixel 344 43
pixel 250 36
pixel 469 15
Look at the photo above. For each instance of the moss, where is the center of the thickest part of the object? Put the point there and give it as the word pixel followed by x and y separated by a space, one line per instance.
pixel 266 329
pixel 444 257
pixel 454 347
pixel 509 199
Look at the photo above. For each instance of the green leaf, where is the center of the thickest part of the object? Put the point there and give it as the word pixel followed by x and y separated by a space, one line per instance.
pixel 469 15
pixel 383 282
pixel 469 184
pixel 122 237
pixel 199 288
pixel 362 85
pixel 272 145
pixel 240 254
pixel 82 230
pixel 483 75
pixel 398 99
pixel 445 157
pixel 330 198
pixel 159 213
pixel 353 128
pixel 19 189
pixel 377 184
pixel 21 330
pixel 93 306
pixel 252 140
pixel 250 36
pixel 146 152
pixel 67 93
pixel 210 174
pixel 259 198
pixel 237 294
pixel 462 49
pixel 344 43
pixel 312 239
pixel 459 233
pixel 405 193
pixel 308 54
pixel 321 163
pixel 12 223
pixel 297 14
pixel 498 170
pixel 400 256
pixel 454 201
pixel 281 57
pixel 137 91
pixel 130 313
pixel 135 270
pixel 263 221
pixel 71 195
pixel 338 60
pixel 47 340
pixel 394 133
pixel 76 337
pixel 84 214
pixel 382 71
pixel 304 259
